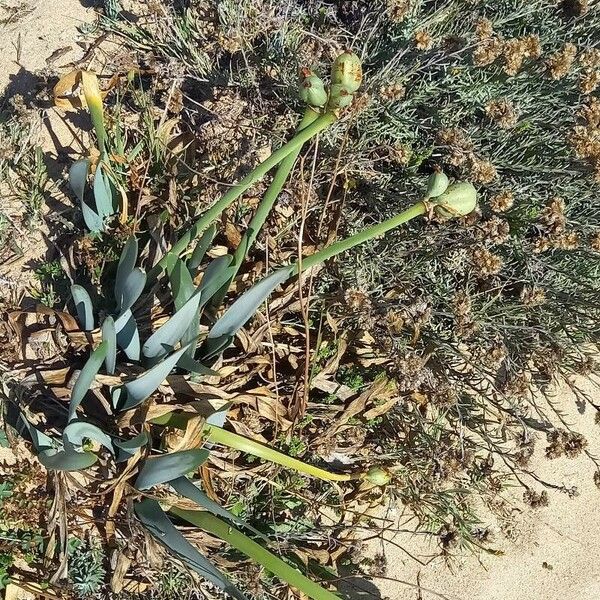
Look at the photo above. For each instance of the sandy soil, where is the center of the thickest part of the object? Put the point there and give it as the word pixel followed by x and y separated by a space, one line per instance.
pixel 549 553
pixel 37 35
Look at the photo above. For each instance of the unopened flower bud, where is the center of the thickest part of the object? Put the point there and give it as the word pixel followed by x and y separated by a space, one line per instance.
pixel 457 201
pixel 437 184
pixel 339 96
pixel 312 90
pixel 347 71
pixel 378 476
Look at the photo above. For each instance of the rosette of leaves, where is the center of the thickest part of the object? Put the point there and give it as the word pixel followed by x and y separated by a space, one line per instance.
pixel 133 364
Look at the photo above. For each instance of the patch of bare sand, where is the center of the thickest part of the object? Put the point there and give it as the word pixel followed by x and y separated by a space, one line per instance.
pixel 549 553
pixel 37 35
pixel 37 38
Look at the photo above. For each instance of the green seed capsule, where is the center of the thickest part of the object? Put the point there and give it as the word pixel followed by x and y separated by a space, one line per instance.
pixel 457 201
pixel 347 71
pixel 378 476
pixel 312 91
pixel 339 96
pixel 437 184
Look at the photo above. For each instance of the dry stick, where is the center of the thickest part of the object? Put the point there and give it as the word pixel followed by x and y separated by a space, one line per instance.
pixel 237 190
pixel 300 407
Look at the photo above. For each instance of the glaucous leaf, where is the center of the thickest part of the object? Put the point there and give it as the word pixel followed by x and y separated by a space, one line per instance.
pixel 109 335
pixel 83 306
pixel 145 385
pixel 86 377
pixel 159 525
pixel 164 468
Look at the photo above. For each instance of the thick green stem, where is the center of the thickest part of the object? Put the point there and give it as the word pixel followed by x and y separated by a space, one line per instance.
pixel 265 206
pixel 237 190
pixel 218 435
pixel 336 248
pixel 250 548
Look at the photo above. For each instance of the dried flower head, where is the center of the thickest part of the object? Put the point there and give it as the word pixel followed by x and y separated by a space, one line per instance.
pixel 503 112
pixel 585 138
pixel 567 241
pixel 481 170
pixel 502 202
pixel 590 80
pixel 465 326
pixel 487 51
pixel 494 231
pixel 560 63
pixel 484 28
pixel 398 10
pixel 595 242
pixel 393 92
pixel 589 58
pixel 535 499
pixel 423 40
pixel 532 296
pixel 357 300
pixel 459 145
pixel 485 263
pixel 565 443
pixel 401 154
pixel 552 217
pixel 516 50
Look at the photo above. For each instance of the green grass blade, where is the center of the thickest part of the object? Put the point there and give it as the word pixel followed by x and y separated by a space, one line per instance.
pixel 250 548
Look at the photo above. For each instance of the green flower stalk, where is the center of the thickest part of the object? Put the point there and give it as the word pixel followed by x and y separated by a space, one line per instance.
pixel 265 206
pixel 458 200
pixel 295 144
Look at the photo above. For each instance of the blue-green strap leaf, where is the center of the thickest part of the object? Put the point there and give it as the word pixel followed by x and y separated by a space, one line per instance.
pixel 164 468
pixel 164 339
pixel 66 460
pixel 144 386
pixel 76 431
pixel 126 264
pixel 185 487
pixel 128 337
pixel 127 448
pixel 86 377
pixel 109 335
pixel 242 310
pixel 83 306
